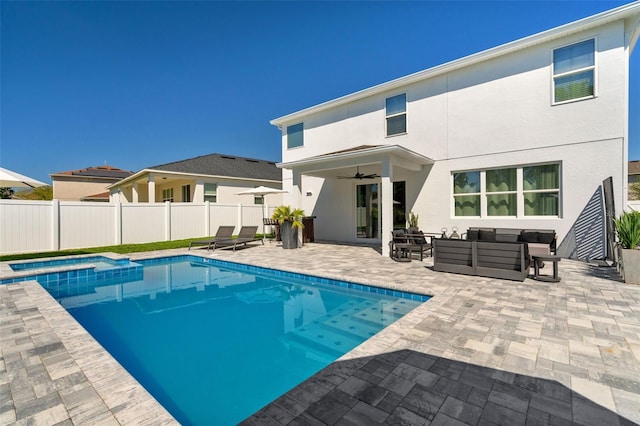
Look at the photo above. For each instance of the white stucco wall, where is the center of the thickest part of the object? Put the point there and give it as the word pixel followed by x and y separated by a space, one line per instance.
pixel 496 113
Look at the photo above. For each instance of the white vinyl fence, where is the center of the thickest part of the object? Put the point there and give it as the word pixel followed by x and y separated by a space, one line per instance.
pixel 634 205
pixel 36 226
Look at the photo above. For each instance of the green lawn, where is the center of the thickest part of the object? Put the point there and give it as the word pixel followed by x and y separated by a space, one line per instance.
pixel 122 249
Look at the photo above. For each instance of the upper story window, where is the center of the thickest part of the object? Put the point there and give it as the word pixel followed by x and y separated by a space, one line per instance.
pixel 574 70
pixel 211 192
pixel 295 135
pixel 396 114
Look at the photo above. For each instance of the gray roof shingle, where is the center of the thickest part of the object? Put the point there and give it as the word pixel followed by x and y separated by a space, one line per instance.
pixel 225 165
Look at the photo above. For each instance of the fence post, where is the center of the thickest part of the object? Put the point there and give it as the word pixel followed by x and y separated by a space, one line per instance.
pixel 55 225
pixel 207 219
pixel 118 207
pixel 167 218
pixel 239 215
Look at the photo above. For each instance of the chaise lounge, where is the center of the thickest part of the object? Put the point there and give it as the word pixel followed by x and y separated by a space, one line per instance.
pixel 246 235
pixel 223 233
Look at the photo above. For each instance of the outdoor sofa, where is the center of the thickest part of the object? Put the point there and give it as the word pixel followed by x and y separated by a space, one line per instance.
pixel 540 241
pixel 505 260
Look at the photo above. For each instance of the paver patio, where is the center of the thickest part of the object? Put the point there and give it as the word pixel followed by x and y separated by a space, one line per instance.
pixel 480 352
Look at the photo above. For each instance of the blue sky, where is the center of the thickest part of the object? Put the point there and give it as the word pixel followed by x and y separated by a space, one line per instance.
pixel 136 84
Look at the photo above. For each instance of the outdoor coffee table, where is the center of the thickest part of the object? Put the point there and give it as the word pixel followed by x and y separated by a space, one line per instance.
pixel 537 259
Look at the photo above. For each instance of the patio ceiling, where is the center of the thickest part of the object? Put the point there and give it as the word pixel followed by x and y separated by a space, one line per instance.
pixel 367 157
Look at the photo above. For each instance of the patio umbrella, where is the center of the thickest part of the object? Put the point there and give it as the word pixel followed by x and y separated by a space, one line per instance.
pixel 261 191
pixel 9 179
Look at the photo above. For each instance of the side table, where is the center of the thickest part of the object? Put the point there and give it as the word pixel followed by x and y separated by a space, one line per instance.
pixel 546 258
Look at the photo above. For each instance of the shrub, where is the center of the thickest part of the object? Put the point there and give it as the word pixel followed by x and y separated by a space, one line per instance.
pixel 628 229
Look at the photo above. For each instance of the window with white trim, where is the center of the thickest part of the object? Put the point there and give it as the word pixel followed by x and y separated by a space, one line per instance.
pixel 574 70
pixel 211 192
pixel 501 192
pixel 186 193
pixel 513 192
pixel 258 199
pixel 396 114
pixel 466 193
pixel 541 189
pixel 167 194
pixel 295 135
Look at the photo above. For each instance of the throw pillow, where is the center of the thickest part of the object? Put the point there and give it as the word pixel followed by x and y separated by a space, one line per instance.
pixel 484 235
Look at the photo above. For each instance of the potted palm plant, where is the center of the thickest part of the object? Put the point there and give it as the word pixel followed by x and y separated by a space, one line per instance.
pixel 628 230
pixel 290 220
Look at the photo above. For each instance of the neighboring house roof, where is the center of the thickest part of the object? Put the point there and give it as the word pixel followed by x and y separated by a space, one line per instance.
pixel 523 43
pixel 219 165
pixel 101 172
pixel 634 167
pixel 103 196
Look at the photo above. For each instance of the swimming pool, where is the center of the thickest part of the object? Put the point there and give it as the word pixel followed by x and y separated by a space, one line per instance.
pixel 215 341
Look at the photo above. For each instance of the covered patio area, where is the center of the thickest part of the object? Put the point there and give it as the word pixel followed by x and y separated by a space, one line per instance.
pixel 359 194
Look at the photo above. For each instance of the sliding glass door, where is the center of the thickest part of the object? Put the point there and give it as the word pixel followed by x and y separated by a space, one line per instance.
pixel 367 211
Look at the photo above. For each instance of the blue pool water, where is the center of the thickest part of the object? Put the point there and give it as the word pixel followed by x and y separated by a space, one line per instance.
pixel 215 341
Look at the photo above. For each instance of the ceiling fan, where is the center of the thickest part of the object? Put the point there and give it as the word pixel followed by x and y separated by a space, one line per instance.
pixel 359 175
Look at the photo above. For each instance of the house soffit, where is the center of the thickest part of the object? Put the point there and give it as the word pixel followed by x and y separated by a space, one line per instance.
pixel 163 176
pixel 360 156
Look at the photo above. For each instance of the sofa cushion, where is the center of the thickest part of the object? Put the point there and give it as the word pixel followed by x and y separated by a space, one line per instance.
pixel 545 237
pixel 472 235
pixel 485 235
pixel 529 237
pixel 506 238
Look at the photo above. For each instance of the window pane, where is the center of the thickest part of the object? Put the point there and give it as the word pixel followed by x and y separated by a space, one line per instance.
pixel 295 135
pixel 574 57
pixel 210 191
pixel 502 205
pixel 397 124
pixel 541 177
pixel 397 104
pixel 541 204
pixel 501 180
pixel 466 182
pixel 574 86
pixel 467 205
pixel 258 199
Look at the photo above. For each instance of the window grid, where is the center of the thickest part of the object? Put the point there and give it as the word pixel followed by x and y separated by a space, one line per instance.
pixel 583 73
pixel 396 115
pixel 211 192
pixel 549 201
pixel 167 194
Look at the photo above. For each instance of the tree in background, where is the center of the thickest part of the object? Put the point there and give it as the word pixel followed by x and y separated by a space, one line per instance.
pixel 6 193
pixel 39 193
pixel 634 191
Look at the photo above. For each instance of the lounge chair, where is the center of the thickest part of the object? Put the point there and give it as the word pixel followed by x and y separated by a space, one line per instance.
pixel 223 233
pixel 246 235
pixel 403 244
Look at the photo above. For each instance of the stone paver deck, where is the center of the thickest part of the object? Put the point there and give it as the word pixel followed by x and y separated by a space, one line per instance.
pixel 480 352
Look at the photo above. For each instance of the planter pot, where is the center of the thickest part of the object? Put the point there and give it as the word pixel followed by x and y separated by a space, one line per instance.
pixel 630 260
pixel 289 235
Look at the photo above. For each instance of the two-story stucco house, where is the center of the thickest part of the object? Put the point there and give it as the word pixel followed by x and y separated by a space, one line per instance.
pixel 521 136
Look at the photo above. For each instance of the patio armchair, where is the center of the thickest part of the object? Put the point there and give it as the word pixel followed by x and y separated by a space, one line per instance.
pixel 223 233
pixel 404 244
pixel 246 235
